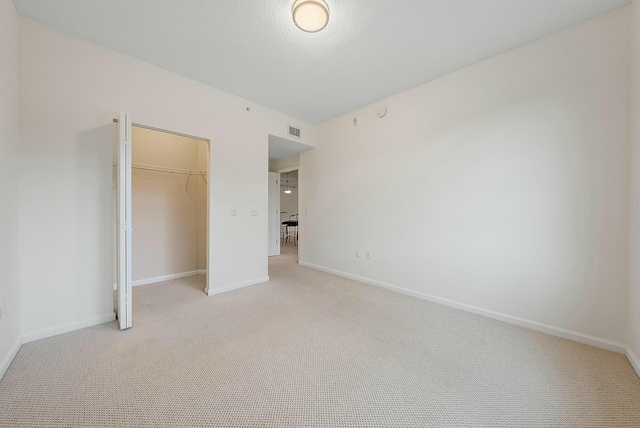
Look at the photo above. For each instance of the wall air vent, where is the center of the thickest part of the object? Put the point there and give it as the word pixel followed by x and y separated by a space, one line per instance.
pixel 294 132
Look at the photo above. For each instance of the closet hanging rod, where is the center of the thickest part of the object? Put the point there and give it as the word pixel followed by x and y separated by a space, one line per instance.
pixel 179 134
pixel 188 172
pixel 165 169
pixel 169 170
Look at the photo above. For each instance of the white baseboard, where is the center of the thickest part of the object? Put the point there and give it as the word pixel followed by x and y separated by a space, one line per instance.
pixel 66 328
pixel 633 359
pixel 8 359
pixel 164 278
pixel 237 286
pixel 522 322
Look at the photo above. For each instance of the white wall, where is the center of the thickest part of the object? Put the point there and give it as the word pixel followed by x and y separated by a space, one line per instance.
pixel 70 90
pixel 166 227
pixel 9 186
pixel 503 185
pixel 634 291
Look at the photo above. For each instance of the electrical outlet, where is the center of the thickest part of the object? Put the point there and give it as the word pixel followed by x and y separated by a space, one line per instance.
pixel 234 211
pixel 358 253
pixel 368 255
pixel 254 212
pixel 1 309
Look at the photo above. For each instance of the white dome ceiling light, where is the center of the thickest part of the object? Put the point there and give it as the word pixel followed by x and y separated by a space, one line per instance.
pixel 310 16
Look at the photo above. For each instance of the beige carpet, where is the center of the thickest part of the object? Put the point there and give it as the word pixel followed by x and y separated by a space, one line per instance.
pixel 289 251
pixel 310 349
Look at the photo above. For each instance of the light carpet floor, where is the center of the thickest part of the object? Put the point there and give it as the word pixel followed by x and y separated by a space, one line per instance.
pixel 309 349
pixel 289 251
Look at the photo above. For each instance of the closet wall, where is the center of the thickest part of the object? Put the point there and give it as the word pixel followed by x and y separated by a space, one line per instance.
pixel 169 210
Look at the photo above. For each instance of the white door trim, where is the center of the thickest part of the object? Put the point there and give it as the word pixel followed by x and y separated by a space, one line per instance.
pixel 124 277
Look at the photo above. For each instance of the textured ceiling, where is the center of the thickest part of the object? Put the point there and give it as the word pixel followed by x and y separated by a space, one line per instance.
pixel 371 48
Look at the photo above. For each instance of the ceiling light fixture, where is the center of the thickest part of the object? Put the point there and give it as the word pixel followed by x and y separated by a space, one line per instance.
pixel 287 189
pixel 310 16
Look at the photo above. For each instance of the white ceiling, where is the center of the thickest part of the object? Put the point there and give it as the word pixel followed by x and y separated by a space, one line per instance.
pixel 280 148
pixel 371 48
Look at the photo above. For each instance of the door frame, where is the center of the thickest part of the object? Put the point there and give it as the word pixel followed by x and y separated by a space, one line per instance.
pixel 209 275
pixel 123 222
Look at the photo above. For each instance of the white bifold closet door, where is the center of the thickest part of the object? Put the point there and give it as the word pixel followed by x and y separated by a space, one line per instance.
pixel 274 214
pixel 124 221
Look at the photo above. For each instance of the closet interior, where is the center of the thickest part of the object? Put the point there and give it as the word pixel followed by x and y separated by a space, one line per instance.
pixel 169 206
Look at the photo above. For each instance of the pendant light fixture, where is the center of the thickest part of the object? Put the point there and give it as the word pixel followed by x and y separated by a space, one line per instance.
pixel 310 16
pixel 287 189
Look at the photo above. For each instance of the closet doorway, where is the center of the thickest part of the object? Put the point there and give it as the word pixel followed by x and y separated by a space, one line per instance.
pixel 168 218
